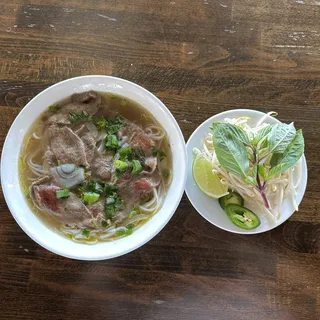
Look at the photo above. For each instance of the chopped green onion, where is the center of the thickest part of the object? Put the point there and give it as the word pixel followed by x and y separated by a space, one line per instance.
pixel 125 153
pixel 94 186
pixel 136 167
pixel 65 193
pixel 120 165
pixel 109 188
pixel 112 142
pixel 90 197
pixel 100 123
pixel 86 232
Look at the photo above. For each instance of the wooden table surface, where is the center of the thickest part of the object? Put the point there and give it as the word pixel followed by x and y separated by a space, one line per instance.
pixel 200 57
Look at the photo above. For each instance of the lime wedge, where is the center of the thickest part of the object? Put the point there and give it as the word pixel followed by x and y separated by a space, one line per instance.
pixel 207 181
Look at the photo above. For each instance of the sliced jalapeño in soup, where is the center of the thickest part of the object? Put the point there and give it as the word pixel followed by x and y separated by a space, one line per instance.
pixel 242 217
pixel 95 166
pixel 232 197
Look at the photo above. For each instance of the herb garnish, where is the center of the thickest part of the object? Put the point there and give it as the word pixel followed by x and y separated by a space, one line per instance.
pixel 113 125
pixel 104 223
pixel 64 193
pixel 113 201
pixel 54 108
pixel 86 232
pixel 79 117
pixel 90 197
pixel 158 153
pixel 272 151
pixel 100 123
pixel 125 232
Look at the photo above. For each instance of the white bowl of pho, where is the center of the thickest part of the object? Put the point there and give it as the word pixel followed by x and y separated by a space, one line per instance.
pixel 93 167
pixel 247 172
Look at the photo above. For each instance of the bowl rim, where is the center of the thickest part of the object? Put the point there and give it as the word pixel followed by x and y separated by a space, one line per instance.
pixel 52 248
pixel 205 124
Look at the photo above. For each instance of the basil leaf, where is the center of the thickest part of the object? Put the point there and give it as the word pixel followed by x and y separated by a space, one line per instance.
pixel 250 180
pixel 237 131
pixel 262 133
pixel 280 162
pixel 231 153
pixel 280 137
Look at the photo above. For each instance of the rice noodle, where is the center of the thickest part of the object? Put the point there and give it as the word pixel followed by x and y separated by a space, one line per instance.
pixel 92 129
pixel 137 218
pixel 37 169
pixel 35 136
pixel 156 133
pixel 151 205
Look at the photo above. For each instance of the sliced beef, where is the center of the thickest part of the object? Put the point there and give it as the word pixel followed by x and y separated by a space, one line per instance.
pixel 42 180
pixel 121 215
pixel 135 189
pixel 154 179
pixel 90 146
pixel 137 138
pixel 132 193
pixel 50 157
pixel 151 164
pixel 69 211
pixel 98 209
pixel 45 198
pixel 89 135
pixel 88 102
pixel 75 213
pixel 98 212
pixel 101 167
pixel 91 98
pixel 67 146
pixel 144 184
pixel 124 179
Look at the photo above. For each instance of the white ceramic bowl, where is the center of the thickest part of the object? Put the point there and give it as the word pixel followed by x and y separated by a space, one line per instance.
pixel 209 208
pixel 17 202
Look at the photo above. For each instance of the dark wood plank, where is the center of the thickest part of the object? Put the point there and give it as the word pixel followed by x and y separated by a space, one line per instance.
pixel 200 58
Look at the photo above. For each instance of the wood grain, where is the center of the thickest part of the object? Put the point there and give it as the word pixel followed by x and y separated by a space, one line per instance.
pixel 199 57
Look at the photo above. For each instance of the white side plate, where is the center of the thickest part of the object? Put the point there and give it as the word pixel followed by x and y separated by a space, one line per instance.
pixel 209 208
